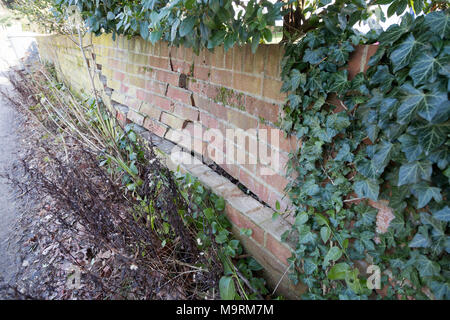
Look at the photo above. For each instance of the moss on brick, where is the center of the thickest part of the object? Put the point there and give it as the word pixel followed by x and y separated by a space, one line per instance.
pixel 226 97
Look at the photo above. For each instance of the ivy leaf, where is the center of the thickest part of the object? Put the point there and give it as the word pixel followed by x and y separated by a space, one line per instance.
pixel 439 23
pixel 430 136
pixel 187 25
pixel 412 172
pixel 155 36
pixel 419 241
pixel 428 105
pixel 441 290
pixel 443 214
pixel 367 188
pixel 367 168
pixel 332 255
pixel 403 53
pixel 382 77
pixel 392 34
pixel 410 146
pixel 314 56
pixel 297 78
pixel 424 193
pixel 339 82
pixel 426 267
pixel 309 266
pixel 441 157
pixel 344 154
pixel 382 156
pixel 435 106
pixel 294 100
pixel 425 68
pixel 377 56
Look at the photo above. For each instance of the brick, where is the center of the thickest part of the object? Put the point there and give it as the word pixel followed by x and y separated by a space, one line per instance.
pixel 259 108
pixel 228 59
pixel 244 204
pixel 247 83
pixel 178 136
pixel 238 58
pixel 260 58
pixel 185 160
pixel 208 121
pixel 212 179
pixel 221 77
pixel 199 170
pixel 279 250
pixel 157 62
pixel 249 59
pixel 275 227
pixel 274 271
pixel 121 118
pixel 228 190
pixel 150 110
pixel 186 112
pixel 201 102
pixel 172 121
pixel 180 95
pixel 232 169
pixel 237 217
pixel 241 120
pixel 135 117
pixel 156 86
pixel 258 188
pixel 161 102
pixel 275 180
pixel 271 90
pixel 137 82
pixel 359 58
pixel 155 126
pixel 118 97
pixel 201 72
pixel 181 66
pixel 119 76
pixel 164 49
pixel 167 77
pixel 267 133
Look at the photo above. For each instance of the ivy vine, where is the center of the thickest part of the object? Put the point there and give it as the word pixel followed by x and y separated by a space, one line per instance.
pixel 387 141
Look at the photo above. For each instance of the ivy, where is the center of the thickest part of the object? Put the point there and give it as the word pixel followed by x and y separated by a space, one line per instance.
pixel 388 141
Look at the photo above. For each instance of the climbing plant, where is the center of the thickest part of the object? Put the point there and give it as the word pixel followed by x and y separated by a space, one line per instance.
pixel 386 138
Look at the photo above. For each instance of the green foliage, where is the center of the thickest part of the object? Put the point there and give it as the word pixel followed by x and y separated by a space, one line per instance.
pixel 208 218
pixel 388 142
pixel 196 24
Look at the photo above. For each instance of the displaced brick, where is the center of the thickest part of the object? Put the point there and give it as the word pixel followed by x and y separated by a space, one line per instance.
pixel 155 126
pixel 136 117
pixel 180 95
pixel 150 110
pixel 186 112
pixel 172 121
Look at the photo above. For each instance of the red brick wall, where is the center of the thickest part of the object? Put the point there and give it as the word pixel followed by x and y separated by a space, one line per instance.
pixel 169 89
pixel 222 90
